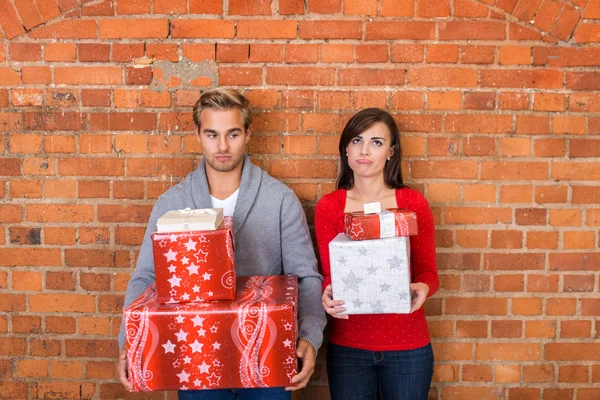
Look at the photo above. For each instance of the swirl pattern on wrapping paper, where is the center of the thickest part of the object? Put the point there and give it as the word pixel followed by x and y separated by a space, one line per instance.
pixel 134 351
pixel 253 321
pixel 265 371
pixel 228 279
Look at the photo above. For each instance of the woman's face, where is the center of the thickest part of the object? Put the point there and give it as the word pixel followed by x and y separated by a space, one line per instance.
pixel 368 152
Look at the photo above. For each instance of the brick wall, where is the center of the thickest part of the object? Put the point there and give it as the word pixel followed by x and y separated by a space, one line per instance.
pixel 498 106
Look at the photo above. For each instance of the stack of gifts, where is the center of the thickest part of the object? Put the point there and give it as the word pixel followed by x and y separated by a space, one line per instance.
pixel 370 262
pixel 193 330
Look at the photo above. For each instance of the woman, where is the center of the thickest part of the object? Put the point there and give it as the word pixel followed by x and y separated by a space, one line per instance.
pixel 389 353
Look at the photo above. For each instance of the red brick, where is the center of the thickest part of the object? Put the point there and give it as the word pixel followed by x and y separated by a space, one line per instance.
pixel 60 144
pixel 9 20
pixel 371 53
pixel 123 213
pixel 370 77
pixel 66 369
pixel 29 257
pixel 95 97
pixel 583 80
pixel 61 303
pixel 134 7
pixel 513 261
pixel 572 351
pixel 206 7
pixel 414 30
pixel 59 235
pixel 409 100
pixel 67 29
pixel 94 52
pixel 324 7
pixel 266 53
pixel 243 7
pixel 290 7
pixel 25 52
pixel 578 283
pixel 59 325
pixel 508 352
pixel 476 306
pixel 91 348
pixel 407 53
pixel 300 76
pixel 45 347
pixel 143 28
pixel 304 168
pixel 124 121
pixel 105 9
pixel 539 79
pixel 568 125
pixel 566 23
pixel 445 77
pixel 238 76
pixel 63 390
pixel 540 329
pixel 88 75
pixel 60 280
pixel 509 283
pixel 472 30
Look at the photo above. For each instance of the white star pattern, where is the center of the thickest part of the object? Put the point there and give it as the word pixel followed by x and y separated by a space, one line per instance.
pixel 214 329
pixel 181 335
pixel 187 360
pixel 287 326
pixel 216 345
pixel 169 347
pixel 193 269
pixel 172 301
pixel 201 332
pixel 217 363
pixel 287 343
pixel 183 376
pixel 173 237
pixel 356 229
pixel 185 260
pixel 180 319
pixel 202 239
pixel 289 360
pixel 185 296
pixel 196 288
pixel 206 276
pixel 196 347
pixel 190 245
pixel 204 368
pixel 171 255
pixel 172 268
pixel 197 320
pixel 209 294
pixel 174 281
pixel 162 243
pixel 197 382
pixel 213 379
pixel 201 256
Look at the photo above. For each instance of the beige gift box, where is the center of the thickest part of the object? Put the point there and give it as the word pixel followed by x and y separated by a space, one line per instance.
pixel 202 219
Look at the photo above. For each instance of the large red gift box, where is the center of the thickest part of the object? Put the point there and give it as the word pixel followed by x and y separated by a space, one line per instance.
pixel 249 342
pixel 388 223
pixel 196 265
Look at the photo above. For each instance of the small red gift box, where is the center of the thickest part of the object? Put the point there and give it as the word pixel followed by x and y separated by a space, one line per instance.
pixel 249 342
pixel 196 265
pixel 388 223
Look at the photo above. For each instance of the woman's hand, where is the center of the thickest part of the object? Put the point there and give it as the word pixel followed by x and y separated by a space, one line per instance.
pixel 418 294
pixel 332 307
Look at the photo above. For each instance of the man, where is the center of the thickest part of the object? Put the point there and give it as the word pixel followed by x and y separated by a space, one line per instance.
pixel 271 234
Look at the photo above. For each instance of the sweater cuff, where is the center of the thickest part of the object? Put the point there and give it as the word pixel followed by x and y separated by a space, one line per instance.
pixel 312 331
pixel 429 281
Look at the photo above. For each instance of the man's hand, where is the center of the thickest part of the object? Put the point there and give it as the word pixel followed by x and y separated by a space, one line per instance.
pixel 122 369
pixel 307 353
pixel 418 293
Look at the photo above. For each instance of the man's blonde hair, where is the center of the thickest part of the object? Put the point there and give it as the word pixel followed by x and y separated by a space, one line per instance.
pixel 223 99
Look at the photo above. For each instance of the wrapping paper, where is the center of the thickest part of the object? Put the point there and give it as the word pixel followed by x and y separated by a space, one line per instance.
pixel 388 223
pixel 249 342
pixel 372 276
pixel 195 266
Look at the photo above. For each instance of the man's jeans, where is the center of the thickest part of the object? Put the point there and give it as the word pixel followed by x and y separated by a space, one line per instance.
pixel 240 394
pixel 356 374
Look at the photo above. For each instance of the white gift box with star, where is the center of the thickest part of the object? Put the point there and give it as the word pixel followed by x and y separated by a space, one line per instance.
pixel 371 276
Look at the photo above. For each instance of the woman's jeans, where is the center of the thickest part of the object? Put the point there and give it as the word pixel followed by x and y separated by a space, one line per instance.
pixel 241 394
pixel 356 374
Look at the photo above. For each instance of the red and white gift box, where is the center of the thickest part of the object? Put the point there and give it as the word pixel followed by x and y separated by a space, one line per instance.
pixel 249 342
pixel 196 265
pixel 385 224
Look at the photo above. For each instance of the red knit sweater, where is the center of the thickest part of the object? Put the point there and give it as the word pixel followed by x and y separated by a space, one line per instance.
pixel 381 332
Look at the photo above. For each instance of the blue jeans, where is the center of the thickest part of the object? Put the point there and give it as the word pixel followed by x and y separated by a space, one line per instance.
pixel 241 394
pixel 356 374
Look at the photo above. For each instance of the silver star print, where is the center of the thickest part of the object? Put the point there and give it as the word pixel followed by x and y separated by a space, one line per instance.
pixel 342 260
pixel 403 296
pixel 385 287
pixel 357 303
pixel 352 281
pixel 377 306
pixel 395 262
pixel 362 251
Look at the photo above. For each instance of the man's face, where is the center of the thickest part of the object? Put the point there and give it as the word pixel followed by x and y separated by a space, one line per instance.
pixel 223 138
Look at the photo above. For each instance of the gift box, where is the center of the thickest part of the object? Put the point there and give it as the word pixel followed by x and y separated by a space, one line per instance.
pixel 249 342
pixel 203 219
pixel 388 223
pixel 196 265
pixel 371 276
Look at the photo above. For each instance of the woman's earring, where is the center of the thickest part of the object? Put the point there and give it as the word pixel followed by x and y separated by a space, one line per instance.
pixel 389 158
pixel 346 154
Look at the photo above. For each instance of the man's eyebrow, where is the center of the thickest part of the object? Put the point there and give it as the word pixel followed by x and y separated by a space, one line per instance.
pixel 208 130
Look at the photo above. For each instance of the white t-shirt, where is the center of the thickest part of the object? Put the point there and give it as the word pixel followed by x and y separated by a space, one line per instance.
pixel 228 204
